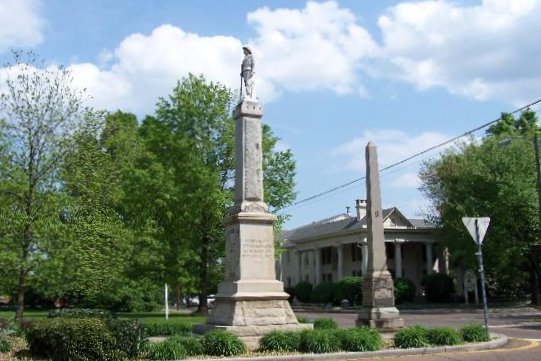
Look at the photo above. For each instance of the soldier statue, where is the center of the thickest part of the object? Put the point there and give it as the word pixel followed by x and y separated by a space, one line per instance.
pixel 247 72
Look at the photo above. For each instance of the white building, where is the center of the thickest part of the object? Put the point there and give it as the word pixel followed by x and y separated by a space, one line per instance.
pixel 334 248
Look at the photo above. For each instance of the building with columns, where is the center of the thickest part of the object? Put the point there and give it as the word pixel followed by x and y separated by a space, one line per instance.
pixel 334 248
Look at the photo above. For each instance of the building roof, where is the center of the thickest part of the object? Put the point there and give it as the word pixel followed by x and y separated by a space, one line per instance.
pixel 344 223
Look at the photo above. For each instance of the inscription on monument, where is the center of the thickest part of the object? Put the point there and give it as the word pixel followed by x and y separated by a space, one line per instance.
pixel 256 248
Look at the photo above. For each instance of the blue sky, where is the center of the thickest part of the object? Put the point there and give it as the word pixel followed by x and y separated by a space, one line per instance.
pixel 331 75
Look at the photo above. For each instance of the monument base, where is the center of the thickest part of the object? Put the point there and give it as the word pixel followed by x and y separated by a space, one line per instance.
pixel 382 318
pixel 251 319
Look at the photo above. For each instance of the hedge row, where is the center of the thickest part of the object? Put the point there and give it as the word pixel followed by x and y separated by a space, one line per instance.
pixel 419 336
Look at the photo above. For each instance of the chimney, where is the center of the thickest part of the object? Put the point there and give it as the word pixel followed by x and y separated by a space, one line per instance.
pixel 347 210
pixel 361 209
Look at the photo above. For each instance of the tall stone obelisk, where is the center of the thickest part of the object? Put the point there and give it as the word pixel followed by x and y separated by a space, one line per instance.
pixel 378 309
pixel 250 301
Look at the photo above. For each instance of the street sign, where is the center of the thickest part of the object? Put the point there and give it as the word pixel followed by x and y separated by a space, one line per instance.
pixel 475 225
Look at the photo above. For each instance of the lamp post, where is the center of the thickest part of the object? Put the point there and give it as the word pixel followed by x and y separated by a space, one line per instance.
pixel 538 171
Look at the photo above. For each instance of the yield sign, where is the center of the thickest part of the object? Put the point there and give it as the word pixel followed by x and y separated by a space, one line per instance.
pixel 477 227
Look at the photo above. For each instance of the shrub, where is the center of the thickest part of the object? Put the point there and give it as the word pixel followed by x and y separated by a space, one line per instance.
pixel 221 343
pixel 324 292
pixel 325 324
pixel 303 291
pixel 5 345
pixel 351 289
pixel 167 329
pixel 74 339
pixel 165 350
pixel 360 339
pixel 192 345
pixel 280 341
pixel 411 337
pixel 319 341
pixel 130 336
pixel 404 290
pixel 291 292
pixel 301 319
pixel 474 333
pixel 79 313
pixel 438 287
pixel 444 336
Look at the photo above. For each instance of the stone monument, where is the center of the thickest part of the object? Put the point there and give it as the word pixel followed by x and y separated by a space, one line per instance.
pixel 378 291
pixel 250 301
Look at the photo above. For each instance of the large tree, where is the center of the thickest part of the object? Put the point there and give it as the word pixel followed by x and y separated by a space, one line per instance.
pixel 188 173
pixel 41 111
pixel 493 177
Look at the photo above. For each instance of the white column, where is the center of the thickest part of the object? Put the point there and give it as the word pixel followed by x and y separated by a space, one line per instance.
pixel 364 264
pixel 340 270
pixel 429 258
pixel 398 257
pixel 317 261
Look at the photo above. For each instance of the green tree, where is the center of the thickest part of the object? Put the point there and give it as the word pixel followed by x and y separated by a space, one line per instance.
pixel 188 173
pixel 489 178
pixel 41 112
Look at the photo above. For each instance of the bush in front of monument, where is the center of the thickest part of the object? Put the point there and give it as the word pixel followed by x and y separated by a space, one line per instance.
pixel 360 339
pixel 280 341
pixel 222 343
pixel 474 333
pixel 411 337
pixel 404 290
pixel 303 291
pixel 444 336
pixel 438 287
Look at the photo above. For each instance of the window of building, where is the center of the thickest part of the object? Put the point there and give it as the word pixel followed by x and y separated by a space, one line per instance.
pixel 289 282
pixel 327 277
pixel 287 257
pixel 326 255
pixel 355 251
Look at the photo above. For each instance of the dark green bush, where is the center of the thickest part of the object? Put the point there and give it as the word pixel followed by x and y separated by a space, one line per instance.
pixel 404 290
pixel 79 313
pixel 130 336
pixel 360 339
pixel 165 350
pixel 5 346
pixel 301 319
pixel 444 336
pixel 73 339
pixel 167 329
pixel 325 324
pixel 439 287
pixel 474 333
pixel 303 291
pixel 324 292
pixel 280 341
pixel 351 289
pixel 192 345
pixel 291 292
pixel 319 341
pixel 411 337
pixel 221 343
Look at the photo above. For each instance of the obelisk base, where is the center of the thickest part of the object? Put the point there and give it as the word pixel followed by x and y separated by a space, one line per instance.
pixel 378 303
pixel 250 301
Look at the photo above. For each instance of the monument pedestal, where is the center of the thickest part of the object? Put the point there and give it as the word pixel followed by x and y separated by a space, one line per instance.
pixel 378 287
pixel 250 301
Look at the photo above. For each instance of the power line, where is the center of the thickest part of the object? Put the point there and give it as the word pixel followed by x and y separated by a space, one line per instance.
pixel 334 189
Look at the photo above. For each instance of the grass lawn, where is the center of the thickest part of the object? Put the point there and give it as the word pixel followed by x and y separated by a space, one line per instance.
pixel 145 317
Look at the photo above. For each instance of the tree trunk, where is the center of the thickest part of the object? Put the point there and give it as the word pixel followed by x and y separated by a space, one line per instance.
pixel 204 280
pixel 534 280
pixel 20 296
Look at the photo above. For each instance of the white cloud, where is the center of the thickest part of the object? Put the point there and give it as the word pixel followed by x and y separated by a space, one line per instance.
pixel 317 47
pixel 406 180
pixel 21 24
pixel 145 67
pixel 392 146
pixel 485 51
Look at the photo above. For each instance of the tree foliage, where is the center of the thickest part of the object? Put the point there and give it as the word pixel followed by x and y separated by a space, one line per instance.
pixel 493 177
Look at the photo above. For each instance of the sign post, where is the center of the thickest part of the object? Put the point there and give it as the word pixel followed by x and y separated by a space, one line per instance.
pixel 478 228
pixel 166 296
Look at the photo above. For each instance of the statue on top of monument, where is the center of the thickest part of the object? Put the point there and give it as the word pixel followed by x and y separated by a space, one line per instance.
pixel 247 72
